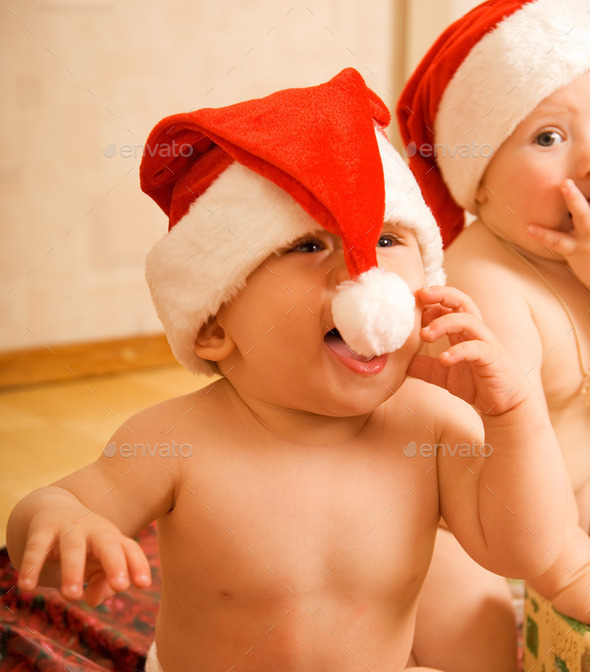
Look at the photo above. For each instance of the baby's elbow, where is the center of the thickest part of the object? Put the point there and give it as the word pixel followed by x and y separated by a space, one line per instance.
pixel 538 559
pixel 537 566
pixel 530 557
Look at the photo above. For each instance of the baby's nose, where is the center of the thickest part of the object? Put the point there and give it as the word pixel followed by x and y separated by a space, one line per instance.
pixel 582 167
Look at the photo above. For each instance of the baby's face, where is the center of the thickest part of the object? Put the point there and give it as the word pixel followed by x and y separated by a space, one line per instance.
pixel 286 352
pixel 521 185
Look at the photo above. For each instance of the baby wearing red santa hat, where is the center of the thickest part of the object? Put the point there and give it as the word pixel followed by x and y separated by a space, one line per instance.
pixel 496 120
pixel 297 525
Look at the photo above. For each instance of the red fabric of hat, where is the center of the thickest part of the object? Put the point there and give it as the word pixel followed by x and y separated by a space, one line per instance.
pixel 326 159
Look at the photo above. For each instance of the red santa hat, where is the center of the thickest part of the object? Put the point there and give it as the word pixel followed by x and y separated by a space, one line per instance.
pixel 241 182
pixel 480 79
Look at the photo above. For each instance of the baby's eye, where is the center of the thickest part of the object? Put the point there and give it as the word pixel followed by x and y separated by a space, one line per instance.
pixel 307 246
pixel 548 138
pixel 388 240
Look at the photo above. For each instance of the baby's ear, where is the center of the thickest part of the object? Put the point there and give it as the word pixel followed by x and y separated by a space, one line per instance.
pixel 213 343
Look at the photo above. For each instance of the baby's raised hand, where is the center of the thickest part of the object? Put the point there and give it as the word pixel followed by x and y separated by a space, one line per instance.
pixel 475 367
pixel 574 246
pixel 84 548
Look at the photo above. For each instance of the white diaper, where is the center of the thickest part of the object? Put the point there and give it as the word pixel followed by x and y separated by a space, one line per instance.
pixel 152 664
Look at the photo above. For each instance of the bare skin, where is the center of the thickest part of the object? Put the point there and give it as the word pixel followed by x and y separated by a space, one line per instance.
pixel 296 523
pixel 456 594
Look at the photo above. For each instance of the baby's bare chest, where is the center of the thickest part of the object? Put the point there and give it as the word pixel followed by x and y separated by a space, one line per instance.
pixel 269 529
pixel 562 315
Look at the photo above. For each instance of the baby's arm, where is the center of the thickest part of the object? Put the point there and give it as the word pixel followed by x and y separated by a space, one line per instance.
pixel 517 328
pixel 78 530
pixel 574 246
pixel 505 503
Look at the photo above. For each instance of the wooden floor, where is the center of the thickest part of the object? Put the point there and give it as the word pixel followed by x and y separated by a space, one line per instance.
pixel 47 431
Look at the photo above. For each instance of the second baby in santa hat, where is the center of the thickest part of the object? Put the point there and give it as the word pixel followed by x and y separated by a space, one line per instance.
pixel 497 122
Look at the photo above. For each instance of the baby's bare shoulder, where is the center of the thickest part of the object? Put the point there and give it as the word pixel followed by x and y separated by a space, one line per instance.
pixel 505 289
pixel 199 412
pixel 427 409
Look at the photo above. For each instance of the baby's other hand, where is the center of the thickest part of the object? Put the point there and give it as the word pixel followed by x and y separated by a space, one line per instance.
pixel 574 246
pixel 88 549
pixel 475 367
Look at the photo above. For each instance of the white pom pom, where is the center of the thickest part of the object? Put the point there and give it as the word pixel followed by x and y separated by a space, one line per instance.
pixel 374 313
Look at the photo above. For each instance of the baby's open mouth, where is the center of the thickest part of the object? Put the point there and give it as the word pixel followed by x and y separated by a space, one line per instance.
pixel 336 343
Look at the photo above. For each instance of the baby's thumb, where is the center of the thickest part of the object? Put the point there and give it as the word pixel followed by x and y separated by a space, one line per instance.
pixel 97 590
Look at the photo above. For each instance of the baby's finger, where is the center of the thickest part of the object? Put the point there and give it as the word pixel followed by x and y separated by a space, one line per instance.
pixel 38 547
pixel 578 206
pixel 449 298
pixel 466 351
pixel 461 326
pixel 109 552
pixel 72 544
pixel 137 563
pixel 431 312
pixel 558 242
pixel 97 590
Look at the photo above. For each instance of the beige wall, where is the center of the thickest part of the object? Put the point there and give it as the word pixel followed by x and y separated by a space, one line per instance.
pixel 426 20
pixel 84 81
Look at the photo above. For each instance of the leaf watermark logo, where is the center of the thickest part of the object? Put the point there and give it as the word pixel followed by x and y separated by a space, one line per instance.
pixel 411 449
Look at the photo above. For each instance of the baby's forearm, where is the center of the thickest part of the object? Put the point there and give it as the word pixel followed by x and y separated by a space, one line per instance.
pixel 523 489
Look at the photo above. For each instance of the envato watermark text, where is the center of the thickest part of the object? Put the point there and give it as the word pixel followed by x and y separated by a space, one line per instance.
pixel 464 150
pixel 446 450
pixel 170 150
pixel 173 449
